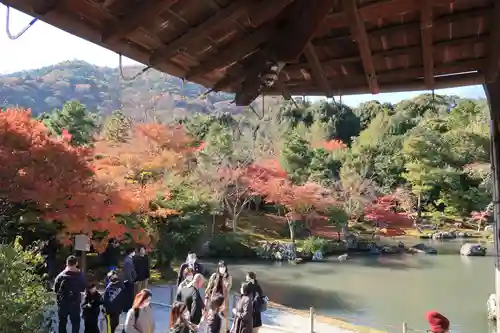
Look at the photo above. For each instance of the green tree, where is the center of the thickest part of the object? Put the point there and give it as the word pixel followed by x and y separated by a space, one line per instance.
pixel 296 157
pixel 116 127
pixel 23 299
pixel 74 118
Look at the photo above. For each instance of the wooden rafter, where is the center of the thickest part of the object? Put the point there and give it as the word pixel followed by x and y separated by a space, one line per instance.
pixel 395 76
pixel 229 13
pixel 135 16
pixel 426 36
pixel 286 45
pixel 234 52
pixel 409 85
pixel 317 70
pixel 358 31
pixel 494 46
pixel 257 15
pixel 377 10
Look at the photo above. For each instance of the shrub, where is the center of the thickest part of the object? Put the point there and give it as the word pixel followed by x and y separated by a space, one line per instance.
pixel 312 244
pixel 23 299
pixel 230 245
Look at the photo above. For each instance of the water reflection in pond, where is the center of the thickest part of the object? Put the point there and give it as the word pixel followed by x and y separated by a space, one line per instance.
pixel 385 291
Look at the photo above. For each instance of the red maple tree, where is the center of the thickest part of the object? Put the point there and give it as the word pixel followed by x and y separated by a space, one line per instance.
pixel 59 180
pixel 385 212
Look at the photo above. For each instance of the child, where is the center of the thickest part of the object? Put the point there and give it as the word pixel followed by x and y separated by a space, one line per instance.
pixel 91 306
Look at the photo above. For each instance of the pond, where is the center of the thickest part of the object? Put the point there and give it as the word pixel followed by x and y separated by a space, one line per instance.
pixel 382 292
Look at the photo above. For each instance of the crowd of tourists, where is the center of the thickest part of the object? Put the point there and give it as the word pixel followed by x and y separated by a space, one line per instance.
pixel 127 293
pixel 190 312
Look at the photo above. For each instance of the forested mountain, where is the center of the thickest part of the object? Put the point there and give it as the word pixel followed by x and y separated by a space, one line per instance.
pixel 103 90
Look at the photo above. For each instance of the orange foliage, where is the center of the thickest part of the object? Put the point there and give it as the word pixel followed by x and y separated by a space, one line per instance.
pixel 332 145
pixel 58 179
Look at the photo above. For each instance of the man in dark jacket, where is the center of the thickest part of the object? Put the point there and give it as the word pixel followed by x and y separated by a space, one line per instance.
pixel 111 256
pixel 69 286
pixel 129 277
pixel 113 301
pixel 190 295
pixel 192 262
pixel 142 269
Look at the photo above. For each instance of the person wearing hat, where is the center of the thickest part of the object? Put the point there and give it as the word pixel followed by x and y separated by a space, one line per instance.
pixel 437 322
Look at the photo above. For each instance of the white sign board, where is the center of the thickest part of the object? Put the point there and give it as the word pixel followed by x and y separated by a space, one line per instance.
pixel 82 243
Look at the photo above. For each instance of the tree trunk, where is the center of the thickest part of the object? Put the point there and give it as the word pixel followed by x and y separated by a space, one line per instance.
pixel 345 229
pixel 291 227
pixel 419 207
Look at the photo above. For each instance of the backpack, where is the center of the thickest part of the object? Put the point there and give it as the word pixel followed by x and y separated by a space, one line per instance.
pixel 63 293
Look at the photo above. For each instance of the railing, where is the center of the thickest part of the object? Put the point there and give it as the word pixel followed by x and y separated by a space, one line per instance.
pixel 312 318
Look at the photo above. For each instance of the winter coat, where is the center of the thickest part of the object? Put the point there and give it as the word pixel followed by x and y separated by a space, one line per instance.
pixel 141 265
pixel 142 322
pixel 68 287
pixel 129 273
pixel 194 303
pixel 243 319
pixel 113 298
pixel 92 305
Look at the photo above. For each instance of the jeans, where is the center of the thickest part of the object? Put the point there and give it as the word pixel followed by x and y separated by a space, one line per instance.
pixel 73 311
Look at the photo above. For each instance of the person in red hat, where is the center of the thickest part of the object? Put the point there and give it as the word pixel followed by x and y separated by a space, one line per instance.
pixel 437 322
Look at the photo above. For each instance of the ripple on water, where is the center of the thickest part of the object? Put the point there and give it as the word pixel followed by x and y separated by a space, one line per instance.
pixel 385 291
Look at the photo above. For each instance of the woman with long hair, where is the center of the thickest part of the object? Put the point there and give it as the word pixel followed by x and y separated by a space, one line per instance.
pixel 257 297
pixel 216 320
pixel 243 313
pixel 179 319
pixel 220 283
pixel 140 316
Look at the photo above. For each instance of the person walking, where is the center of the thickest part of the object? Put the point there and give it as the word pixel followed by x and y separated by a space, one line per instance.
pixel 220 284
pixel 111 256
pixel 191 262
pixel 437 322
pixel 142 268
pixel 190 295
pixel 69 286
pixel 257 297
pixel 216 319
pixel 140 316
pixel 91 308
pixel 113 301
pixel 188 277
pixel 178 319
pixel 243 313
pixel 128 278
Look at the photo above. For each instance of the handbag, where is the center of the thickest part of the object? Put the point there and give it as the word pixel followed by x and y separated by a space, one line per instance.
pixel 262 303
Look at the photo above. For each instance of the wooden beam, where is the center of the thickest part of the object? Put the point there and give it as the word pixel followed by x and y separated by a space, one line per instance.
pixel 410 85
pixel 229 13
pixel 135 16
pixel 340 82
pixel 302 21
pixel 426 37
pixel 375 11
pixel 317 70
pixel 494 45
pixel 234 52
pixel 358 31
pixel 257 16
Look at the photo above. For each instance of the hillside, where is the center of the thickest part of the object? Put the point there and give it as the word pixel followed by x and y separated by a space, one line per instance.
pixel 152 94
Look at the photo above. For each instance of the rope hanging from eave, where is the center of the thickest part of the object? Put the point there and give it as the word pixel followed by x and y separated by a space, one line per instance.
pixel 20 33
pixel 120 66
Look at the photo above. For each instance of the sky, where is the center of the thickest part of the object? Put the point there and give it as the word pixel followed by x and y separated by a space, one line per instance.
pixel 44 45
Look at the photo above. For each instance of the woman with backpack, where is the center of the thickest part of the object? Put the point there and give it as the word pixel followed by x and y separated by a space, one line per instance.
pixel 140 316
